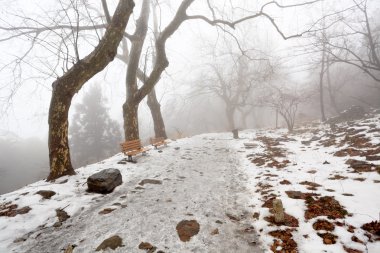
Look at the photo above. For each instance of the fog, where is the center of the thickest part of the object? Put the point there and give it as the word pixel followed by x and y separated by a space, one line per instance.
pixel 253 62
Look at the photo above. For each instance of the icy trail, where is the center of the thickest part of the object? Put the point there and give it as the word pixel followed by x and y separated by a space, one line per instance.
pixel 200 181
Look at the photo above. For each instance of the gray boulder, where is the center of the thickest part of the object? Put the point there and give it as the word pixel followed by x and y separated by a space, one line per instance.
pixel 104 181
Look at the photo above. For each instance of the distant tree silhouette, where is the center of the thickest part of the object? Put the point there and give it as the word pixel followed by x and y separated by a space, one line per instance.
pixel 93 134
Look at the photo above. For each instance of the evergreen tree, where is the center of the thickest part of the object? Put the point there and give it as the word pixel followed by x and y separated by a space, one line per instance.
pixel 94 136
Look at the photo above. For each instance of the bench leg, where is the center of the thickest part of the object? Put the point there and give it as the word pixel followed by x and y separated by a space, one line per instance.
pixel 130 158
pixel 143 153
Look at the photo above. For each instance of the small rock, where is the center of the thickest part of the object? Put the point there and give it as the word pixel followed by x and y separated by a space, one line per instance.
pixel 187 229
pixel 62 215
pixel 70 248
pixel 107 211
pixel 279 216
pixel 215 232
pixel 148 247
pixel 46 194
pixel 150 181
pixel 112 243
pixel 104 181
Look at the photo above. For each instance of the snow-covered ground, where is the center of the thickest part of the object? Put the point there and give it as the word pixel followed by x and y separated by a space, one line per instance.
pixel 215 180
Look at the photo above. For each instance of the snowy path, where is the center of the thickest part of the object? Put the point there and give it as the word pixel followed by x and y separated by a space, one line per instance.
pixel 201 181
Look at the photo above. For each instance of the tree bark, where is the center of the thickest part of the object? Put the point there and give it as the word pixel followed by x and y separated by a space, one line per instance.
pixel 65 87
pixel 131 122
pixel 155 109
pixel 230 113
pixel 134 94
pixel 321 75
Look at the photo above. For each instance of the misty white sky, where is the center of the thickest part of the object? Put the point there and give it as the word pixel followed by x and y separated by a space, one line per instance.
pixel 187 51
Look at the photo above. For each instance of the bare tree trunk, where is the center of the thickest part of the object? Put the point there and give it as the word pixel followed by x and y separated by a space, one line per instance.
pixel 330 89
pixel 65 87
pixel 131 122
pixel 59 151
pixel 321 98
pixel 134 94
pixel 230 113
pixel 155 109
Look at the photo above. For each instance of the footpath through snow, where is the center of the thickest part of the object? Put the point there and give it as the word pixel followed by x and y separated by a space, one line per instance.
pixel 202 181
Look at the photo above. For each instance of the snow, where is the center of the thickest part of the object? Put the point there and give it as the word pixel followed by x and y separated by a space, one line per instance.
pixel 208 179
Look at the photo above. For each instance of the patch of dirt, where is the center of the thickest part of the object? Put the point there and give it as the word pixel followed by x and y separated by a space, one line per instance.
pixel 373 227
pixel 355 239
pixel 337 177
pixel 11 210
pixel 350 250
pixel 187 229
pixel 285 182
pixel 324 206
pixel 328 238
pixel 290 221
pixel 348 152
pixel 323 225
pixel 285 244
pixel 362 166
pixel 300 195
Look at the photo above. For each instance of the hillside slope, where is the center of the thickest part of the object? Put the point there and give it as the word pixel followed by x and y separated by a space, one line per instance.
pixel 226 186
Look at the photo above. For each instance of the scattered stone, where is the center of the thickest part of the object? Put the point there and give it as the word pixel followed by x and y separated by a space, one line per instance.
pixel 104 181
pixel 148 247
pixel 278 210
pixel 256 216
pixel 107 210
pixel 323 225
pixel 70 248
pixel 150 181
pixel 326 162
pixel 215 232
pixel 62 215
pixel 112 243
pixel 187 229
pixel 46 194
pixel 219 222
pixel 348 194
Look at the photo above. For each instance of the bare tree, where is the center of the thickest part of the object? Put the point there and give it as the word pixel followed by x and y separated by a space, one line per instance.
pixel 233 83
pixel 285 101
pixel 65 87
pixel 344 48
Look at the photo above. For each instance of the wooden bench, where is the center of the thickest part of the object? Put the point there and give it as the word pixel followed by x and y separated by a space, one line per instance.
pixel 131 148
pixel 158 142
